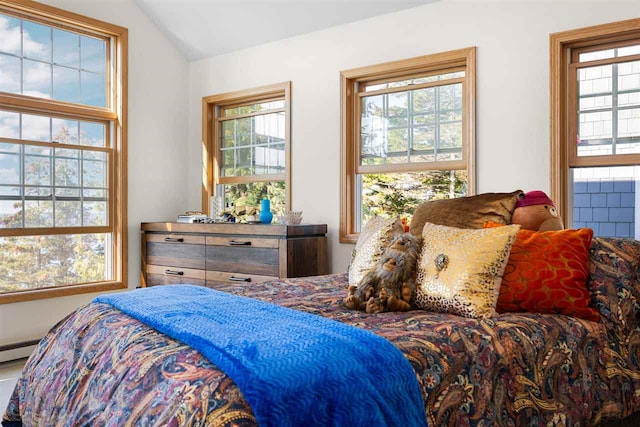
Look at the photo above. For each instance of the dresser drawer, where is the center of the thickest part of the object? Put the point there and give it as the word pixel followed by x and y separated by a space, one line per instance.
pixel 214 277
pixel 169 275
pixel 249 255
pixel 176 250
pixel 242 242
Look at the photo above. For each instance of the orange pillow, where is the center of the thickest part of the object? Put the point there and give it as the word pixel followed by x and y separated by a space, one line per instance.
pixel 547 272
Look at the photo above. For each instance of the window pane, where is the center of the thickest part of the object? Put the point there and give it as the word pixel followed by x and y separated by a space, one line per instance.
pixel 244 131
pixel 94 213
pixel 606 199
pixel 228 133
pixel 38 213
pixel 66 84
pixel 9 169
pixel 242 197
pixel 595 133
pixel 594 56
pixel 628 99
pixel 36 41
pixel 228 162
pixel 629 76
pixel 400 193
pixel 68 213
pixel 36 80
pixel 9 124
pixel 10 41
pixel 10 213
pixel 93 89
pixel 243 161
pixel 93 134
pixel 629 50
pixel 67 171
pixel 596 102
pixel 276 158
pixel 398 103
pixel 37 170
pixel 260 161
pixel 36 128
pixel 94 173
pixel 10 69
pixel 373 125
pixel 93 54
pixel 424 142
pixel 450 147
pixel 64 131
pixel 629 123
pixel 66 48
pixel 595 80
pixel 44 261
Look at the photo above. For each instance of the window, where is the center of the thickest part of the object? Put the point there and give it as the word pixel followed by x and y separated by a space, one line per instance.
pixel 247 134
pixel 62 153
pixel 408 135
pixel 595 130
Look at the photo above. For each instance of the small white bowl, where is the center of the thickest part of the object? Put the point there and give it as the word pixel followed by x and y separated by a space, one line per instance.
pixel 290 218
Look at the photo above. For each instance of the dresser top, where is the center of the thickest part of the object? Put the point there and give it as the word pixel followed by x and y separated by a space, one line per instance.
pixel 237 229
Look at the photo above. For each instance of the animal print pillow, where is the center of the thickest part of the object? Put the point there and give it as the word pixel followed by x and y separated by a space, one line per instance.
pixel 374 238
pixel 460 270
pixel 466 212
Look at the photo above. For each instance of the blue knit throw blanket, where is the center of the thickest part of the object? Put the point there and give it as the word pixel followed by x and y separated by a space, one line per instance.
pixel 293 368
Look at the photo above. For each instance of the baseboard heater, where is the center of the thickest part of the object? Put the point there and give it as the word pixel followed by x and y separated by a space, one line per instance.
pixel 18 345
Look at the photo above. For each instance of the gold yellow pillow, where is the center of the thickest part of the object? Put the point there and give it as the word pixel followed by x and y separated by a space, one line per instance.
pixel 460 270
pixel 375 236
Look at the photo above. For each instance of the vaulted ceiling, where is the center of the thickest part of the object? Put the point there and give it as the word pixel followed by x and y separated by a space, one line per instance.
pixel 203 28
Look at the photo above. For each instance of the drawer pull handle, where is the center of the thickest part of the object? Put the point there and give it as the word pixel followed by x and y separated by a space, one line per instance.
pixel 240 279
pixel 174 272
pixel 174 239
pixel 239 243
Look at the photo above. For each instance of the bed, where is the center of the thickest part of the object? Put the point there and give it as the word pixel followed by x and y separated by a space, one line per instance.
pixel 99 366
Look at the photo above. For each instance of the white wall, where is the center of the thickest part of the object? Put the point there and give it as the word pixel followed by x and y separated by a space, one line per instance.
pixel 157 151
pixel 512 96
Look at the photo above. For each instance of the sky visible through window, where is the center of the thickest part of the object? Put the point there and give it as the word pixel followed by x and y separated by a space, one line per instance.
pixel 45 62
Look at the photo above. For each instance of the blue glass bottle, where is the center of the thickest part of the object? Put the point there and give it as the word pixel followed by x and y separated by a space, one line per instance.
pixel 265 212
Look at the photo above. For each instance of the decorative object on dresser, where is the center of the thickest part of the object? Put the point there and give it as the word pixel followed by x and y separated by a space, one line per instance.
pixel 210 254
pixel 265 211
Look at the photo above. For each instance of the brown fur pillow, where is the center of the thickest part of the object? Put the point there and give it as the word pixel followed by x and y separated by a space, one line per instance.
pixel 466 212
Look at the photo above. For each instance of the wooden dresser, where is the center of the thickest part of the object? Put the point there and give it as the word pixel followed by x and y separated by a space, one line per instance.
pixel 209 254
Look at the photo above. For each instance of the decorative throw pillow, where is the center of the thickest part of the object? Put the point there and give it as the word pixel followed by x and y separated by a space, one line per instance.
pixel 466 212
pixel 547 272
pixel 375 236
pixel 460 270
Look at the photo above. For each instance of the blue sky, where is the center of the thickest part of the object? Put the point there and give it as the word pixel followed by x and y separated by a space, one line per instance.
pixel 51 63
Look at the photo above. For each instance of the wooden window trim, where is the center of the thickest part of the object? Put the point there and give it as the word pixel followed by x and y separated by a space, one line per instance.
pixel 456 60
pixel 212 117
pixel 116 113
pixel 562 48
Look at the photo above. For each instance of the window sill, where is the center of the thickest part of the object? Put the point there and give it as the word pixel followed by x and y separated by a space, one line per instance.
pixel 61 291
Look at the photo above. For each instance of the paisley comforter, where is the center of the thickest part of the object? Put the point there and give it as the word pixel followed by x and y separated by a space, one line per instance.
pixel 101 367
